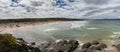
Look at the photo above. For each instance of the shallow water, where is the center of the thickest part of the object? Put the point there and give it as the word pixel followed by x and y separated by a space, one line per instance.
pixel 87 30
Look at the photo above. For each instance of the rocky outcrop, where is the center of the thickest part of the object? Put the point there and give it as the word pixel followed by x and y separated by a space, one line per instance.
pixel 86 45
pixel 10 44
pixel 60 46
pixel 94 46
pixel 118 47
pixel 7 40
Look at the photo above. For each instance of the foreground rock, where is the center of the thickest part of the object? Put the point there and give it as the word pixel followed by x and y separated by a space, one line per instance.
pixel 118 47
pixel 60 46
pixel 9 44
pixel 94 46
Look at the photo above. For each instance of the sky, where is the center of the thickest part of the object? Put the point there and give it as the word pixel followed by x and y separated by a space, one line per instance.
pixel 80 9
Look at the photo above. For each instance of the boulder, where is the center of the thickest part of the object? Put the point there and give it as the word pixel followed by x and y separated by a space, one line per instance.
pixel 86 45
pixel 62 46
pixel 7 40
pixel 118 47
pixel 95 42
pixel 8 43
pixel 98 47
pixel 83 50
pixel 94 46
pixel 101 46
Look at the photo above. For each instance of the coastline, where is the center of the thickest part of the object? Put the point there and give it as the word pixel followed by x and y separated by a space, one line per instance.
pixel 18 23
pixel 26 22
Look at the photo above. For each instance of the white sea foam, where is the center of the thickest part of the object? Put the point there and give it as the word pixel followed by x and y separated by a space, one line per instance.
pixel 116 32
pixel 78 24
pixel 91 28
pixel 59 40
pixel 113 36
pixel 51 29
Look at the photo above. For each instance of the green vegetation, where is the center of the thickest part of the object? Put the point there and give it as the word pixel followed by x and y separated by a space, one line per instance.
pixel 7 40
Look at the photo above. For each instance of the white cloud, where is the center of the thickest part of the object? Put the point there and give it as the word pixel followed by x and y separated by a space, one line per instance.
pixel 47 8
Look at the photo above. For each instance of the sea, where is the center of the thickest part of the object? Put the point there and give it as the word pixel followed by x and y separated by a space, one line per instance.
pixel 84 30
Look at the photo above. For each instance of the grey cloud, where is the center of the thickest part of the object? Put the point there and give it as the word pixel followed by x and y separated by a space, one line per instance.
pixel 37 3
pixel 98 2
pixel 44 8
pixel 115 10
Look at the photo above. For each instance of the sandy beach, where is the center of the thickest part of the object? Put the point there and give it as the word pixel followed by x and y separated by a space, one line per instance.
pixel 18 23
pixel 6 26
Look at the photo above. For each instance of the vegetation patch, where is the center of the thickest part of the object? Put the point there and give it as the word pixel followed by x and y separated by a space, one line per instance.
pixel 7 40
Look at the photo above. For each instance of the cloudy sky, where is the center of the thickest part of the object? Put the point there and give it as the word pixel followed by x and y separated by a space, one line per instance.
pixel 91 9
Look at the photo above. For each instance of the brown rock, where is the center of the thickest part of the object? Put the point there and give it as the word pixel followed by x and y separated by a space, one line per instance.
pixel 118 47
pixel 86 45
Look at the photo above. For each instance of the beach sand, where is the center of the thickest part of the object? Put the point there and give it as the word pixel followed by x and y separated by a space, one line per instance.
pixel 6 24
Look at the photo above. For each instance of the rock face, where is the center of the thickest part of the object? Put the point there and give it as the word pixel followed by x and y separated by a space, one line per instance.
pixel 7 40
pixel 61 46
pixel 19 48
pixel 10 44
pixel 118 47
pixel 94 46
pixel 86 45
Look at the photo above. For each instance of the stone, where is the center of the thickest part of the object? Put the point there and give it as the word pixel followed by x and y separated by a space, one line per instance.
pixel 101 46
pixel 83 50
pixel 74 45
pixel 95 42
pixel 118 47
pixel 62 46
pixel 86 45
pixel 7 40
pixel 8 43
pixel 94 46
pixel 33 43
pixel 21 41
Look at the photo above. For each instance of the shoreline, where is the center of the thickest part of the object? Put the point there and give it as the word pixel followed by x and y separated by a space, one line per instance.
pixel 13 24
pixel 26 22
pixel 6 26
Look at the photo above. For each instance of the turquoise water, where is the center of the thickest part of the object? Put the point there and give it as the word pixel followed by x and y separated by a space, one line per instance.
pixel 82 30
pixel 92 30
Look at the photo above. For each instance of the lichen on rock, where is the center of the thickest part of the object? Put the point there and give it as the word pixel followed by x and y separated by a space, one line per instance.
pixel 9 43
pixel 7 40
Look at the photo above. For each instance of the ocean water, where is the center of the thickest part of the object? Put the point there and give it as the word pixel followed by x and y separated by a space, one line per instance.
pixel 86 30
pixel 89 30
